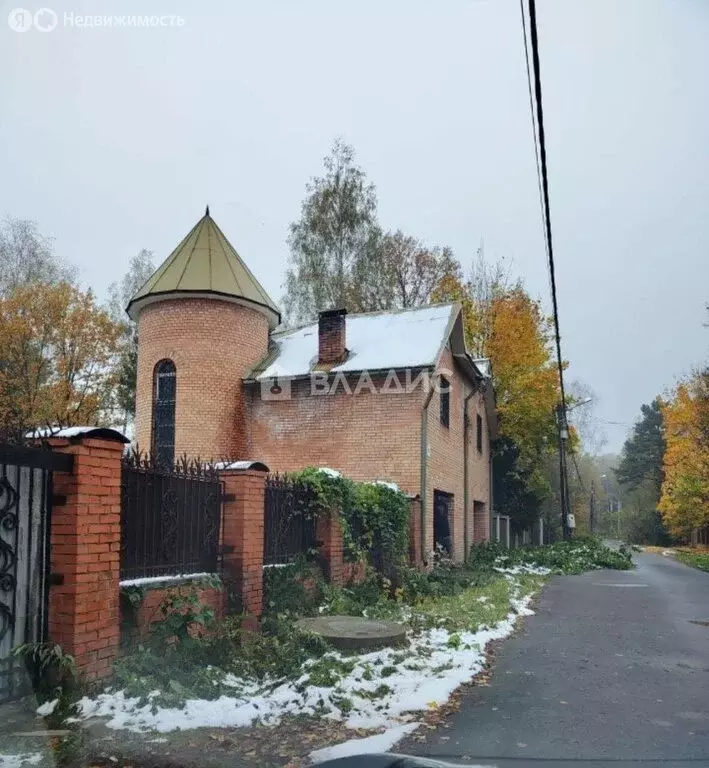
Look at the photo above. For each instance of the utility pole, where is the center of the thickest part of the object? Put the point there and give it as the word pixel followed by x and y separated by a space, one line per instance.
pixel 592 508
pixel 617 505
pixel 563 477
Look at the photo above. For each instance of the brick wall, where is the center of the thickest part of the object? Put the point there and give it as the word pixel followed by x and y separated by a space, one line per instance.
pixel 378 436
pixel 213 344
pixel 445 462
pixel 364 436
pixel 148 610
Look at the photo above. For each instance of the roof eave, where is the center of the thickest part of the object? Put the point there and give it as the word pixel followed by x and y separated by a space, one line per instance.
pixel 137 304
pixel 251 378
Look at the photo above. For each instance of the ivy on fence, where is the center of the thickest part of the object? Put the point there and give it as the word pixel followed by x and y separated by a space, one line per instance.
pixel 374 516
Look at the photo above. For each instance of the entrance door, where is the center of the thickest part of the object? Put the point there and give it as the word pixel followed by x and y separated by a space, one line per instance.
pixel 442 505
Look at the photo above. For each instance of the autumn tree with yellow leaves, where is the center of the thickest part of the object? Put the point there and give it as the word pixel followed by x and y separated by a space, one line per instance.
pixel 57 357
pixel 684 503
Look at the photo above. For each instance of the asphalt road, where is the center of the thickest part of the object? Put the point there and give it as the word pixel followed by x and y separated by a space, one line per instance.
pixel 611 671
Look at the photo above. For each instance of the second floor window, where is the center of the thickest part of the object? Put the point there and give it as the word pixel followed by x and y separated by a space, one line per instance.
pixel 445 389
pixel 479 432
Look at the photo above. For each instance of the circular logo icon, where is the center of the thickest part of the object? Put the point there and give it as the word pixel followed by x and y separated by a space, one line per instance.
pixel 19 20
pixel 45 20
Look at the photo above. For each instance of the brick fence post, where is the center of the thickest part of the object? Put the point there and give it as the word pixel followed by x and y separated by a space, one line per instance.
pixel 85 552
pixel 328 532
pixel 242 535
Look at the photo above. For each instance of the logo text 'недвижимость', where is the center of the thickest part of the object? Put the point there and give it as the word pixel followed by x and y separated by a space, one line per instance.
pixel 47 20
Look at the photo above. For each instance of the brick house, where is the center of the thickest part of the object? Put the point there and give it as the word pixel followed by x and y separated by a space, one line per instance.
pixel 390 396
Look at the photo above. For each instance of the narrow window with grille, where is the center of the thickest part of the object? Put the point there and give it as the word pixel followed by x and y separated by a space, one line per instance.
pixel 164 398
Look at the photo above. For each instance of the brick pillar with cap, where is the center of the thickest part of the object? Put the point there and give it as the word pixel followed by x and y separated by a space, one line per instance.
pixel 85 551
pixel 242 534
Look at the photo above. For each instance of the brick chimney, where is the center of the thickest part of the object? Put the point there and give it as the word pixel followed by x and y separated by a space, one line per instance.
pixel 331 336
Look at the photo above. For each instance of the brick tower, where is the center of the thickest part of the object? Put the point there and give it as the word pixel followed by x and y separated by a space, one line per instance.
pixel 203 323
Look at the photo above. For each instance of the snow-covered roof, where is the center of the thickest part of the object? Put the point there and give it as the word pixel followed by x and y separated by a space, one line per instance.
pixel 411 338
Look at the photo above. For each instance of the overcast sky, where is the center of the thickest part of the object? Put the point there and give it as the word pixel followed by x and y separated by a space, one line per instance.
pixel 115 139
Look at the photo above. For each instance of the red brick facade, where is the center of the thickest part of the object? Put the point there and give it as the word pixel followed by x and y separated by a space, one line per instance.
pixel 213 345
pixel 367 436
pixel 370 436
pixel 446 470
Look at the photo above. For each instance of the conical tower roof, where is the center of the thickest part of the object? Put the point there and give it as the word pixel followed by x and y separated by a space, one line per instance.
pixel 205 265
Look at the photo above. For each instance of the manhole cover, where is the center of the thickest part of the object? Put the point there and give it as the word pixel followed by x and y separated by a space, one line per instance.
pixel 354 632
pixel 701 622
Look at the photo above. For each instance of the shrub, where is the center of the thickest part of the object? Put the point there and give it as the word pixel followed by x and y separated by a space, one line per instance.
pixel 52 671
pixel 293 588
pixel 582 553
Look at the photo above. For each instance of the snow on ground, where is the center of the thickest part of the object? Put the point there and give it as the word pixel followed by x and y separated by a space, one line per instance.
pixel 20 759
pixel 43 710
pixel 517 570
pixel 417 678
pixel 381 742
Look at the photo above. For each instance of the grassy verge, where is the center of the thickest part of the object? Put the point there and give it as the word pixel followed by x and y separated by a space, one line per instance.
pixel 699 560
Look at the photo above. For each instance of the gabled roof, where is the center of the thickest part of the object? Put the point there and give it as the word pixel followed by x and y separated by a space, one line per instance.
pixel 410 338
pixel 205 264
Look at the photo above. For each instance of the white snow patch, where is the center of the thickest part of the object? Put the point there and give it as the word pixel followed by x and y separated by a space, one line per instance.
pixel 146 580
pixel 68 432
pixel 47 708
pixel 391 486
pixel 278 565
pixel 427 677
pixel 516 570
pixel 20 759
pixel 223 465
pixel 329 472
pixel 381 742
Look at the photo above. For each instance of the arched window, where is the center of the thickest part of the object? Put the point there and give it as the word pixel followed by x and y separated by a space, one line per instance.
pixel 164 390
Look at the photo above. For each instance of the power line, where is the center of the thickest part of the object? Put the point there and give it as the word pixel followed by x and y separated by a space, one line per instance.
pixel 545 189
pixel 578 473
pixel 534 124
pixel 541 159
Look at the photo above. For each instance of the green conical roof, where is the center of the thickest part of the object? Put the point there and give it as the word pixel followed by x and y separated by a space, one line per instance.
pixel 205 264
